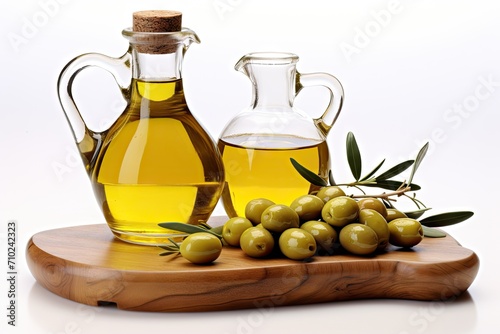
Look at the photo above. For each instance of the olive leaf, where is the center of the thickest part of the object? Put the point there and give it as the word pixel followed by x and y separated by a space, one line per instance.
pixel 217 229
pixel 307 174
pixel 367 176
pixel 172 248
pixel 446 219
pixel 353 156
pixel 396 170
pixel 187 228
pixel 331 179
pixel 168 253
pixel 391 185
pixel 433 233
pixel 169 248
pixel 418 160
pixel 205 226
pixel 417 213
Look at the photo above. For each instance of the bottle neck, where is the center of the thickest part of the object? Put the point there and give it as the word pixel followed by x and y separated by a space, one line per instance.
pixel 157 67
pixel 158 56
pixel 273 85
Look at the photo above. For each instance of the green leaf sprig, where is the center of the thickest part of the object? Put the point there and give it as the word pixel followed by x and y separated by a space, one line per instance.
pixel 190 229
pixel 170 249
pixel 173 247
pixel 386 181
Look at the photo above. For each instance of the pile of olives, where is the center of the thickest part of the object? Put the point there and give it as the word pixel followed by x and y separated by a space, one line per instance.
pixel 323 223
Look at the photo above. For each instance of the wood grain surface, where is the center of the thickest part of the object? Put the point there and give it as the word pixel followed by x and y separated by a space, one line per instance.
pixel 88 265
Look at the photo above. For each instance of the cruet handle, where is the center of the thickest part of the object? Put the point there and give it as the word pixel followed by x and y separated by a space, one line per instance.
pixel 119 69
pixel 326 121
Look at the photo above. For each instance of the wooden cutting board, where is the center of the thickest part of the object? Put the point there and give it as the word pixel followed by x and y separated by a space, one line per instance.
pixel 88 265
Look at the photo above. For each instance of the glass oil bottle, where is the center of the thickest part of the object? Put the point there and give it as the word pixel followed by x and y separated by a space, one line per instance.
pixel 156 163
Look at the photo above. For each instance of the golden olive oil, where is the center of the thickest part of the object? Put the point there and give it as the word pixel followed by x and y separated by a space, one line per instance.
pixel 157 164
pixel 259 166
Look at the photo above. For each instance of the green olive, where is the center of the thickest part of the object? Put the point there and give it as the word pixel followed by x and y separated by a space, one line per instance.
pixel 233 228
pixel 377 222
pixel 323 233
pixel 358 239
pixel 394 213
pixel 327 193
pixel 201 247
pixel 340 211
pixel 297 244
pixel 254 209
pixel 308 207
pixel 405 232
pixel 257 242
pixel 279 217
pixel 373 203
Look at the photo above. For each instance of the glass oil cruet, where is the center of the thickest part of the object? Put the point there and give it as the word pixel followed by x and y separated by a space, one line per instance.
pixel 257 144
pixel 155 163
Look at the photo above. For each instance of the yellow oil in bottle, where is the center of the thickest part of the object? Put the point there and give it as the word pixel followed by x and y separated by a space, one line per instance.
pixel 157 165
pixel 255 172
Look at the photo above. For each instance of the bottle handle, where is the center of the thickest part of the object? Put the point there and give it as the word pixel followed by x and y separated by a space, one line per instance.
pixel 330 115
pixel 119 69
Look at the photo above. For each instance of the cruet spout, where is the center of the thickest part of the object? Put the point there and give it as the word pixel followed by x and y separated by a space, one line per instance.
pixel 190 37
pixel 268 60
pixel 240 65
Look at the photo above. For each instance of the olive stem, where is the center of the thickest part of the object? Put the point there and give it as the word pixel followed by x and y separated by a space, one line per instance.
pixel 385 196
pixel 360 189
pixel 357 183
pixel 416 201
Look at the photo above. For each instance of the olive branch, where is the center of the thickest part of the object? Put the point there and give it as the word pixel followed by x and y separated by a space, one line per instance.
pixel 385 181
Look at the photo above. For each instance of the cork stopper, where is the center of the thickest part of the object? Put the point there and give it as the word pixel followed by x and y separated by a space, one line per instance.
pixel 157 21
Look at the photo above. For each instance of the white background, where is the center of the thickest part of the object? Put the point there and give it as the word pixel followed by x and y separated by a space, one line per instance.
pixel 415 64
